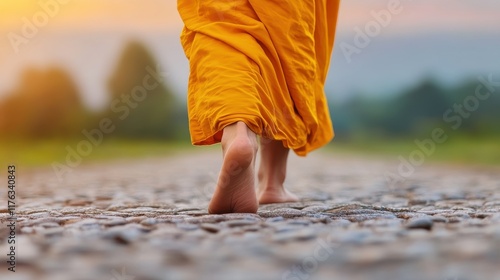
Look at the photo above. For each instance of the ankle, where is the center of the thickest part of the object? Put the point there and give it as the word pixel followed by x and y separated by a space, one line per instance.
pixel 271 178
pixel 240 133
pixel 271 186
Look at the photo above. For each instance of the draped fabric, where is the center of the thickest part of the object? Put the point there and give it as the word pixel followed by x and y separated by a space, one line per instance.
pixel 263 62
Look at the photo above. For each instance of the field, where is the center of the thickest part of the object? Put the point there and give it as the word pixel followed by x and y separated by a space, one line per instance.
pixel 462 151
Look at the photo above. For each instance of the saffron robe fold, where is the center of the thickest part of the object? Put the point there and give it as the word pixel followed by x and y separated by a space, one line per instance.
pixel 263 62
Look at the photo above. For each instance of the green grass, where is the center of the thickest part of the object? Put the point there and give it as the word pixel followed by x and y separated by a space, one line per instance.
pixel 456 150
pixel 44 153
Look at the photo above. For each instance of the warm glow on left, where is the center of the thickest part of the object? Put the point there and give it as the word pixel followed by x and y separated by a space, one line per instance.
pixel 12 10
pixel 92 14
pixel 7 7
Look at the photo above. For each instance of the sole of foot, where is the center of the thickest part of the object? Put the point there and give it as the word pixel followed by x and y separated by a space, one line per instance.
pixel 235 190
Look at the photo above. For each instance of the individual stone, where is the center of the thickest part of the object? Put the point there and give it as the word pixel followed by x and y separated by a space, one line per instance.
pixel 340 223
pixel 284 227
pixel 280 206
pixel 195 212
pixel 240 223
pixel 252 228
pixel 252 236
pixel 382 223
pixel 420 223
pixel 187 226
pixel 115 221
pixel 83 222
pixel 212 228
pixel 317 196
pixel 78 202
pixel 124 234
pixel 166 232
pixel 27 230
pixel 51 232
pixel 205 219
pixel 135 219
pixel 79 210
pixel 433 211
pixel 241 216
pixel 282 212
pixel 439 219
pixel 275 219
pixel 67 220
pixel 303 222
pixel 49 225
pixel 104 197
pixel 298 235
pixel 425 199
pixel 363 217
pixel 457 195
pixel 316 208
pixel 353 237
pixel 409 215
pixel 482 215
pixel 320 218
pixel 39 215
pixel 172 218
pixel 415 234
pixel 149 222
pixel 476 222
pixel 491 204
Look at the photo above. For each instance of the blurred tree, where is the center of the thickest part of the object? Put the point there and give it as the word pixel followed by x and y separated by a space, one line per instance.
pixel 359 117
pixel 46 105
pixel 417 109
pixel 484 119
pixel 141 104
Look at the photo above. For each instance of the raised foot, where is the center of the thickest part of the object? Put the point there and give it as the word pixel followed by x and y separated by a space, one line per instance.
pixel 235 191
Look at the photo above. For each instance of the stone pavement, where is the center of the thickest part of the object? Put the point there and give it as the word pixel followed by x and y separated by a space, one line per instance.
pixel 146 219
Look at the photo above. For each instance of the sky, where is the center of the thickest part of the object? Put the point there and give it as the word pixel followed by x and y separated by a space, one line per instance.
pixel 95 14
pixel 425 15
pixel 86 36
pixel 422 15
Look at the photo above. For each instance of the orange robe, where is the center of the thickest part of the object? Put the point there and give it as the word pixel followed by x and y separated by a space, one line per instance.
pixel 263 62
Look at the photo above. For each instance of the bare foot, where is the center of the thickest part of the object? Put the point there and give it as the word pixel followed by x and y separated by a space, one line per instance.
pixel 272 173
pixel 277 196
pixel 235 191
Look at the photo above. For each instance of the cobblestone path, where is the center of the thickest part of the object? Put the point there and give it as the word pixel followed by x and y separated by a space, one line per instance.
pixel 146 219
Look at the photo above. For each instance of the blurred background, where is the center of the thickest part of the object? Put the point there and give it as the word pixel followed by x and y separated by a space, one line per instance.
pixel 397 74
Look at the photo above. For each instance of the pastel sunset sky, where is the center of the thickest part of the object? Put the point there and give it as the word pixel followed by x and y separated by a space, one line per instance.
pixel 162 15
pixel 105 25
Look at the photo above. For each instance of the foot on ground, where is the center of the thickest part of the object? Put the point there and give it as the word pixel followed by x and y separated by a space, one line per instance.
pixel 278 195
pixel 272 173
pixel 235 190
